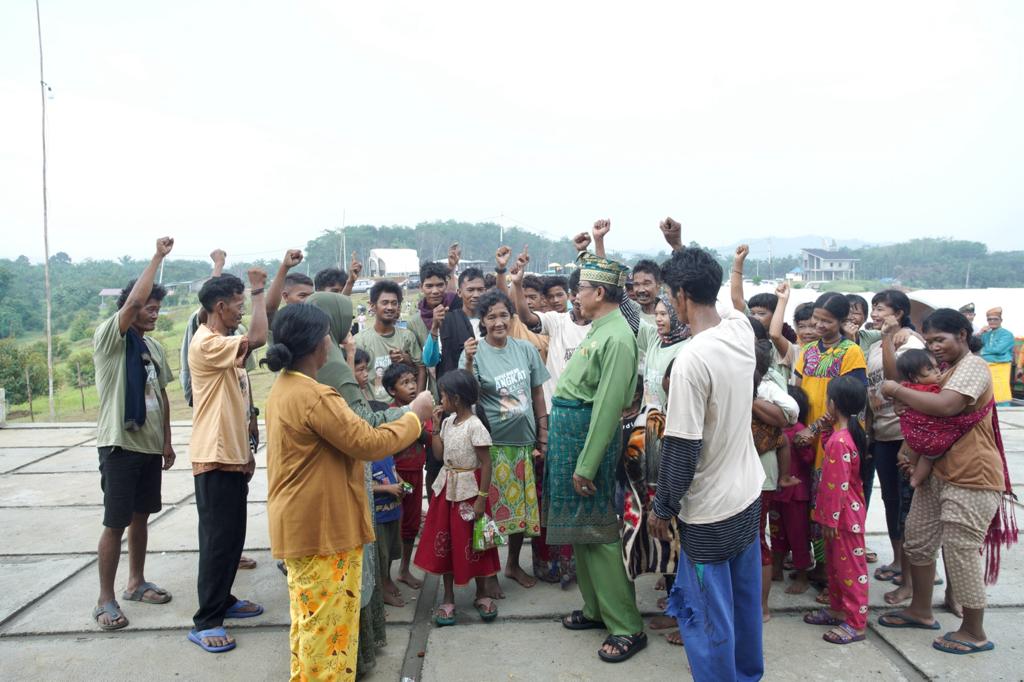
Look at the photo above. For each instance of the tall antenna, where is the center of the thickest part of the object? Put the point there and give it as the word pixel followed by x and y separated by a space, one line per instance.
pixel 43 87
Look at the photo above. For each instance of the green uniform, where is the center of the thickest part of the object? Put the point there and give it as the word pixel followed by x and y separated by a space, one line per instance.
pixel 109 349
pixel 420 331
pixel 593 390
pixel 377 346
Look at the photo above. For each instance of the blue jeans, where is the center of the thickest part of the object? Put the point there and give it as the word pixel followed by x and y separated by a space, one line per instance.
pixel 718 607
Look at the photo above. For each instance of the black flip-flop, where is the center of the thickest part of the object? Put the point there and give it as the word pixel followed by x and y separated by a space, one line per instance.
pixel 577 621
pixel 627 645
pixel 908 622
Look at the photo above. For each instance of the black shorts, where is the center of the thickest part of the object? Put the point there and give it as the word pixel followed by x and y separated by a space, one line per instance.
pixel 131 484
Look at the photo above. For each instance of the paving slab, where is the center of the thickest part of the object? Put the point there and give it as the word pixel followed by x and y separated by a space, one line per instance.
pixel 78 488
pixel 79 458
pixel 23 580
pixel 14 436
pixel 1004 626
pixel 178 531
pixel 13 458
pixel 545 650
pixel 261 654
pixel 54 530
pixel 69 607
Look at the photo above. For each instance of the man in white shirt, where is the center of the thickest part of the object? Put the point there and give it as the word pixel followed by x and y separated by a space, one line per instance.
pixel 710 477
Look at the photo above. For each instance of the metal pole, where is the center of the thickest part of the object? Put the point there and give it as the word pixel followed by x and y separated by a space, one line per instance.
pixel 46 231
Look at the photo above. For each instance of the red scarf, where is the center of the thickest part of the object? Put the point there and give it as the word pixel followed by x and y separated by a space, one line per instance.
pixel 1002 531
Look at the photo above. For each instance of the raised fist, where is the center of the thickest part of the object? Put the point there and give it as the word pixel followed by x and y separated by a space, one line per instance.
pixel 164 246
pixel 601 228
pixel 581 241
pixel 292 257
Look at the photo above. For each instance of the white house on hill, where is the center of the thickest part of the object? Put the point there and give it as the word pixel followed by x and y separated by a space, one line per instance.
pixel 820 265
pixel 392 262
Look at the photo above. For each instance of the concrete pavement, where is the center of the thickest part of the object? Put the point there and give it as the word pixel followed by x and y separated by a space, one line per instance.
pixel 50 516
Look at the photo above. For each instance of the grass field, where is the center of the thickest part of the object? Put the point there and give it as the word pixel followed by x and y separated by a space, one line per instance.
pixel 81 405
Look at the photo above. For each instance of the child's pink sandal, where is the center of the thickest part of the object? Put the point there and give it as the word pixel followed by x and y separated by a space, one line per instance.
pixel 445 615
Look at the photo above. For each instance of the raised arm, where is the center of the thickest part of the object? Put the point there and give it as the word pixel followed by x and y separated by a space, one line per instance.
pixel 736 278
pixel 672 230
pixel 292 257
pixel 355 268
pixel 779 321
pixel 945 404
pixel 258 326
pixel 501 258
pixel 601 228
pixel 454 256
pixel 529 318
pixel 219 257
pixel 335 423
pixel 143 286
pixel 889 328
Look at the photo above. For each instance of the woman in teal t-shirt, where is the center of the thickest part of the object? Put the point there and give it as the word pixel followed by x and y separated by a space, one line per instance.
pixel 511 374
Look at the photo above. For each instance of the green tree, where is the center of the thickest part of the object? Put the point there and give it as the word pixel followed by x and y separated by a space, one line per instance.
pixel 83 359
pixel 14 361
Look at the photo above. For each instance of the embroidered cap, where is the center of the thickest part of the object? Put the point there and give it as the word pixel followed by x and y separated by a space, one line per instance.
pixel 969 308
pixel 994 312
pixel 602 271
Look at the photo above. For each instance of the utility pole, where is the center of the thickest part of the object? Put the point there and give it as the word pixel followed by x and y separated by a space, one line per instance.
pixel 43 87
pixel 344 246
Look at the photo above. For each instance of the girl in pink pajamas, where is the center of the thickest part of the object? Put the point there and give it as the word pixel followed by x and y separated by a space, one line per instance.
pixel 841 512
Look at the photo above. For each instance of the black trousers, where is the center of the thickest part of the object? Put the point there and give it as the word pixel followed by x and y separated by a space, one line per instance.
pixel 220 501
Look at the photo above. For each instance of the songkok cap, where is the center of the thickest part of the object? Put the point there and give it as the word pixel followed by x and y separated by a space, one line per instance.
pixel 602 271
pixel 994 312
pixel 969 308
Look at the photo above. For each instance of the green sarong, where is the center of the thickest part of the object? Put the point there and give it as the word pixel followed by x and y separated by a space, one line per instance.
pixel 568 517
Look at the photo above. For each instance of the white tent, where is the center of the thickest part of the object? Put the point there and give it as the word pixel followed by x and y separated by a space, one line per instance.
pixel 393 262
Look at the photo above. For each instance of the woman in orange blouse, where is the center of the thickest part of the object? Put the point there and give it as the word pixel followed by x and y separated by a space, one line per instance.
pixel 316 502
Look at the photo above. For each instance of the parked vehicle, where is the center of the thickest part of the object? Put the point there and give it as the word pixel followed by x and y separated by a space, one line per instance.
pixel 361 286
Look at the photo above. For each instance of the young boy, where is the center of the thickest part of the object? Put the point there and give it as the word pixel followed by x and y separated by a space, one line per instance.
pixel 400 383
pixel 387 513
pixel 361 368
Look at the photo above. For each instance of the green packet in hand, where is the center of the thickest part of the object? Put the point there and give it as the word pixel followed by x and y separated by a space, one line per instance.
pixel 486 534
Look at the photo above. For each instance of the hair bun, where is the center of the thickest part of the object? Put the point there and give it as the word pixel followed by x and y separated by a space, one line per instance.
pixel 278 357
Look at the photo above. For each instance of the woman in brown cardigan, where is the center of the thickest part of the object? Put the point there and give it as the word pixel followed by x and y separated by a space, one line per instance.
pixel 316 503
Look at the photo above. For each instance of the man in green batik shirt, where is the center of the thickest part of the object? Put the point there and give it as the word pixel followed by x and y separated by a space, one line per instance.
pixel 585 442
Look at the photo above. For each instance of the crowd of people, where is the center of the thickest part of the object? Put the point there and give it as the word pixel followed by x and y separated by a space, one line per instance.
pixel 622 419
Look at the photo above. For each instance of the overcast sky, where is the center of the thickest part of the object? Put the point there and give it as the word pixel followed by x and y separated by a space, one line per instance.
pixel 253 125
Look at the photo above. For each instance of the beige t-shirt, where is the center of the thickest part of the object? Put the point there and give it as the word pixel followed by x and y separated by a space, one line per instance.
pixel 108 356
pixel 710 399
pixel 885 425
pixel 460 460
pixel 220 399
pixel 974 460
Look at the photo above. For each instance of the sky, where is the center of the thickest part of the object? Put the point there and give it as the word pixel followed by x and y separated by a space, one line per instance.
pixel 252 126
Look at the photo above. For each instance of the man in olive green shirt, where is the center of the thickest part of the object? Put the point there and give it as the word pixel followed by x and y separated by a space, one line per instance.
pixel 583 451
pixel 133 451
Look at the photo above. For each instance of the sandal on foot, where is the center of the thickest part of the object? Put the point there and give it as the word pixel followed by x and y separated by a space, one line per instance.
pixel 823 597
pixel 112 609
pixel 887 573
pixel 848 637
pixel 625 645
pixel 197 638
pixel 674 638
pixel 283 568
pixel 235 610
pixel 444 615
pixel 900 619
pixel 481 605
pixel 972 648
pixel 821 617
pixel 139 594
pixel 246 564
pixel 871 557
pixel 577 621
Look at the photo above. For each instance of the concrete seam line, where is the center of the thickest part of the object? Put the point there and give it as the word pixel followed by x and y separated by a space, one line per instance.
pixel 905 665
pixel 52 454
pixel 419 631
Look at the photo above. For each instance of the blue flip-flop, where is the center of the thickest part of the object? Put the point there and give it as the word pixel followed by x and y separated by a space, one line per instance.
pixel 197 638
pixel 234 611
pixel 908 622
pixel 972 648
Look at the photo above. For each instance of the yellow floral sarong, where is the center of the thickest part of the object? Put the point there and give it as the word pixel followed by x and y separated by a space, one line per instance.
pixel 323 592
pixel 1001 382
